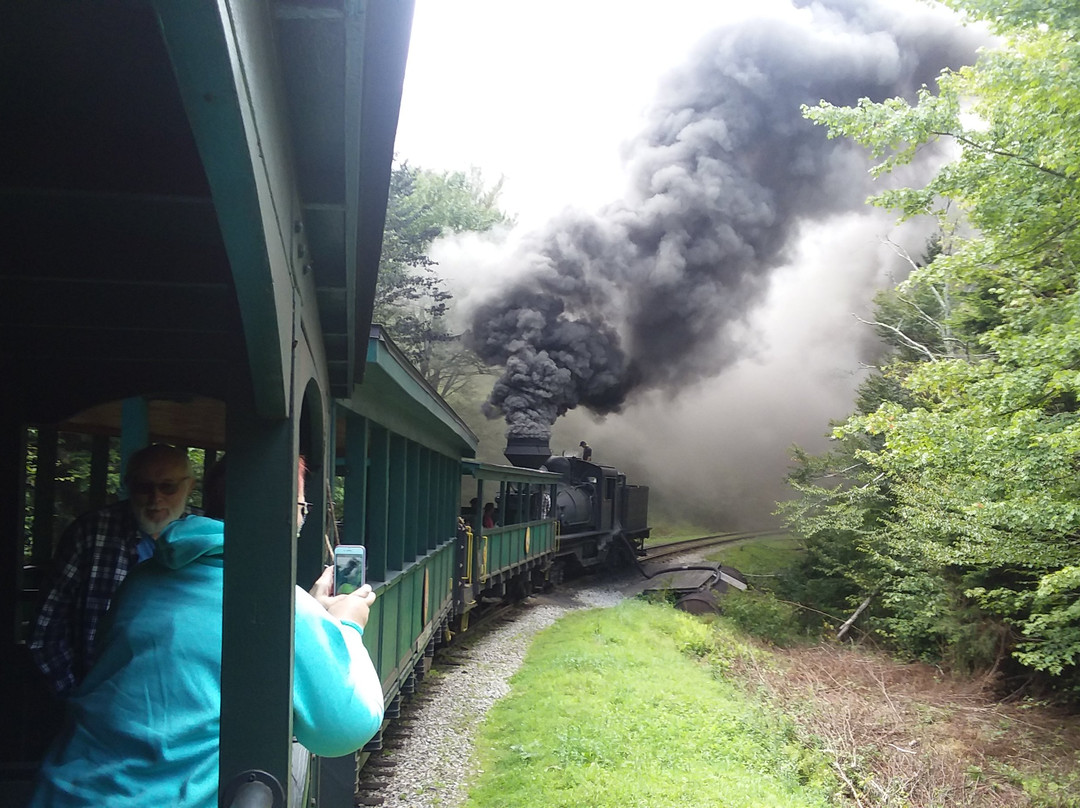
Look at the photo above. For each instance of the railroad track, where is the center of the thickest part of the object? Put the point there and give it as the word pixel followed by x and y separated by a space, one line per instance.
pixel 658 551
pixel 378 769
pixel 420 761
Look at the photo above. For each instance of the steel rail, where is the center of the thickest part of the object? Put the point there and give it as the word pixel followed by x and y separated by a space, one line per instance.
pixel 676 547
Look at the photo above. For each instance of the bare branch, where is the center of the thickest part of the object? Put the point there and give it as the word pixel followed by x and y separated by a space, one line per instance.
pixel 918 346
pixel 855 616
pixel 903 253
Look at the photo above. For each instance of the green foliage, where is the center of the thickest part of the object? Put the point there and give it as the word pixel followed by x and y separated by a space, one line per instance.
pixel 842 506
pixel 929 617
pixel 1052 642
pixel 762 615
pixel 1051 792
pixel 693 638
pixel 953 491
pixel 70 489
pixel 410 298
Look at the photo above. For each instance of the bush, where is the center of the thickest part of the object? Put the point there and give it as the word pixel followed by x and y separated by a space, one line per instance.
pixel 761 615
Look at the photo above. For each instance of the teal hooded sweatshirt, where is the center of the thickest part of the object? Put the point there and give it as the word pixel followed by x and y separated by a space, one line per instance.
pixel 143 727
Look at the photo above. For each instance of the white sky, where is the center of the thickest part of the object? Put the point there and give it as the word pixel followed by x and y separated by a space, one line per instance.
pixel 543 94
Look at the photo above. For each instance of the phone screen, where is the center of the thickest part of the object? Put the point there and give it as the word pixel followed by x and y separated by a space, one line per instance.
pixel 349 568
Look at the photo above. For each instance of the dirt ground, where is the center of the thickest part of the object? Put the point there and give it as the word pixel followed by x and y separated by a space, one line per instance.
pixel 909 735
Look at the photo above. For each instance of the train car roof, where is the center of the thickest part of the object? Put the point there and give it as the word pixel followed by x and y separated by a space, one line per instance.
pixel 395 394
pixel 183 180
pixel 514 474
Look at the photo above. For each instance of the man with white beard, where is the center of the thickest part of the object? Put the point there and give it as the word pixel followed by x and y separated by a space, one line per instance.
pixel 96 553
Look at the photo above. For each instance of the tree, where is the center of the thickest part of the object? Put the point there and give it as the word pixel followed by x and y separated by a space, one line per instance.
pixel 410 298
pixel 979 447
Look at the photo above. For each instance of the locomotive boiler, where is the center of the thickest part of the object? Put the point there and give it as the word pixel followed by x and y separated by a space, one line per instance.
pixel 602 518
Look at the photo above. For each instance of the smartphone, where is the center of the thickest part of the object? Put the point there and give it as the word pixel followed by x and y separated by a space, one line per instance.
pixel 350 568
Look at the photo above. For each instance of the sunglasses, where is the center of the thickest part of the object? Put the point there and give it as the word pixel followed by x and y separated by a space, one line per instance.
pixel 146 488
pixel 305 508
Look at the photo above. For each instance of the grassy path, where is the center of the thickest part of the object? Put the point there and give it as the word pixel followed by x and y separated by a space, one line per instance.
pixel 613 709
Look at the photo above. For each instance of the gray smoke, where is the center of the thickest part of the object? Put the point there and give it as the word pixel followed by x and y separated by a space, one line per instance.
pixel 648 292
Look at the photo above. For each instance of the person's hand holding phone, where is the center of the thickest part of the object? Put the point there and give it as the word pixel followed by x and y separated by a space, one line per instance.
pixel 354 607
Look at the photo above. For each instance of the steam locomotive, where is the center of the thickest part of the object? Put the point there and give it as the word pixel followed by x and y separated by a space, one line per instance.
pixel 602 519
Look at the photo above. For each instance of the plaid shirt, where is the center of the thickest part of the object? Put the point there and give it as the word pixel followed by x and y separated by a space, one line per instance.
pixel 93 557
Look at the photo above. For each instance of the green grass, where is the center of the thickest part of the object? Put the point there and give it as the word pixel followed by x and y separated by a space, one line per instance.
pixel 763 555
pixel 620 708
pixel 663 532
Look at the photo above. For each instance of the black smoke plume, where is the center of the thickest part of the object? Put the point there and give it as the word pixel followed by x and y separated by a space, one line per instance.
pixel 643 293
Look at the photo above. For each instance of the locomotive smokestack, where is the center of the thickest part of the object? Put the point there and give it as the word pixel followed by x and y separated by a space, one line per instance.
pixel 530 453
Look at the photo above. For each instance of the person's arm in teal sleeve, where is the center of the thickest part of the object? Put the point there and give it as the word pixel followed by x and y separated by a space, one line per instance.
pixel 337 696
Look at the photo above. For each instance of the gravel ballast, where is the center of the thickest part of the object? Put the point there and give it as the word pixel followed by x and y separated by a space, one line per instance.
pixel 434 759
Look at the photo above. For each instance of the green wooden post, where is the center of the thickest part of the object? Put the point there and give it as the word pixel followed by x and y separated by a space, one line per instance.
pixel 478 531
pixel 453 480
pixel 446 507
pixel 356 481
pixel 378 503
pixel 260 570
pixel 397 499
pixel 415 541
pixel 423 497
pixel 478 514
pixel 428 476
pixel 134 432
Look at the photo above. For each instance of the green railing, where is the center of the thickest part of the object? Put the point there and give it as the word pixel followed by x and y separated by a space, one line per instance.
pixel 407 611
pixel 505 547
